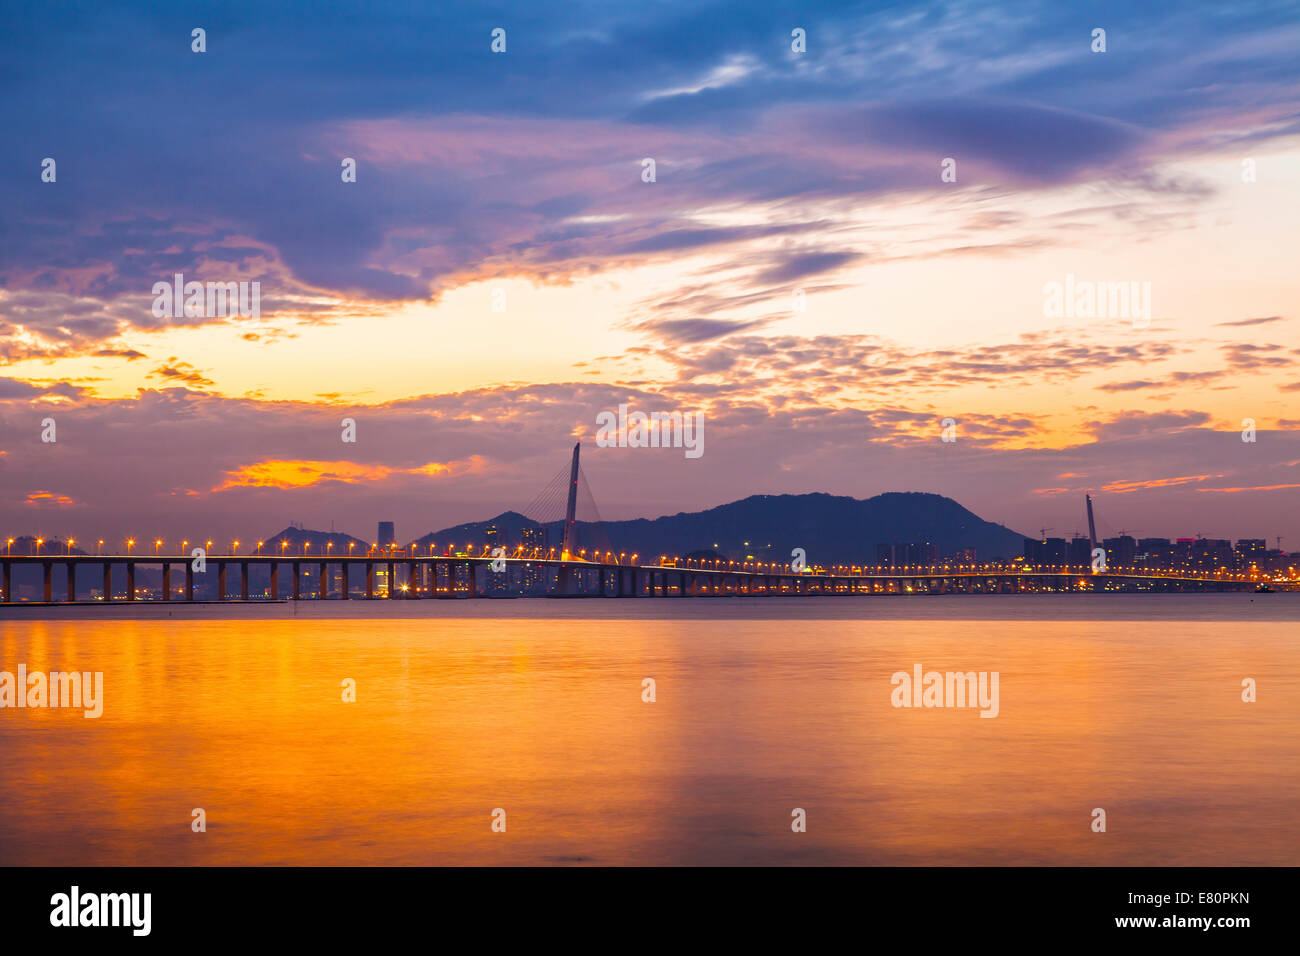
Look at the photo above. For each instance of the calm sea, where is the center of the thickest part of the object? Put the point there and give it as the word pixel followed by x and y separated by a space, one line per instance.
pixel 1128 703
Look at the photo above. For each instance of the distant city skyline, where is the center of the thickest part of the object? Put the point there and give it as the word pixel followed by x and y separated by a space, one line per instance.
pixel 908 547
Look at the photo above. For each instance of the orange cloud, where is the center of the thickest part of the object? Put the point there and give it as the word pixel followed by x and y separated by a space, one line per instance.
pixel 300 473
pixel 1124 487
pixel 48 499
pixel 1251 488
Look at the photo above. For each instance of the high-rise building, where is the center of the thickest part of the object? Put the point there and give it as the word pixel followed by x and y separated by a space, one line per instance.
pixel 494 536
pixel 533 577
pixel 1120 551
pixel 387 534
pixel 923 553
pixel 1055 551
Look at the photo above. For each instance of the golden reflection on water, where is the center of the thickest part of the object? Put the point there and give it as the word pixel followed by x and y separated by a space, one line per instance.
pixel 544 719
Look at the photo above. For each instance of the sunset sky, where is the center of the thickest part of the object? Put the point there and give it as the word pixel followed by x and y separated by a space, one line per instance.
pixel 1173 158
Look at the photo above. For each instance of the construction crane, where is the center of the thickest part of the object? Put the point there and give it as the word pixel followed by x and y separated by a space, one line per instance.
pixel 1042 532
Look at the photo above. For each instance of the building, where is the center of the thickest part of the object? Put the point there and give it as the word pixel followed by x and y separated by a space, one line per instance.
pixel 386 537
pixel 1120 551
pixel 918 554
pixel 498 582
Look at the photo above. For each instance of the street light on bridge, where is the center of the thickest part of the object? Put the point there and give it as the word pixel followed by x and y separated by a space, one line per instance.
pixel 130 543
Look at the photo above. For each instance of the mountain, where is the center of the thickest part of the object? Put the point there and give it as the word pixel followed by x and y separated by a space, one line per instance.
pixel 830 528
pixel 294 538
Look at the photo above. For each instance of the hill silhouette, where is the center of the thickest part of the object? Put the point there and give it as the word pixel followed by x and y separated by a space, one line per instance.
pixel 830 528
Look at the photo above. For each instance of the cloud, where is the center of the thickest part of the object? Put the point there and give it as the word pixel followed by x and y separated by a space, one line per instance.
pixel 1130 424
pixel 48 499
pixel 1242 322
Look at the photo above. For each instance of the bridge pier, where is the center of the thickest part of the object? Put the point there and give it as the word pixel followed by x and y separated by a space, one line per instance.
pixel 8 582
pixel 221 580
pixel 166 582
pixel 130 580
pixel 275 581
pixel 243 580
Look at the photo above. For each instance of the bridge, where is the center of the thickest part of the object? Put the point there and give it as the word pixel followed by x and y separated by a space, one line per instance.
pixel 408 574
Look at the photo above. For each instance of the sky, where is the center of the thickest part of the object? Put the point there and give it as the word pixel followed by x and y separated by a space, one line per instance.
pixel 846 260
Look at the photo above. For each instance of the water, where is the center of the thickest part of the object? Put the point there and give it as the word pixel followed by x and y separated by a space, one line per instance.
pixel 1131 703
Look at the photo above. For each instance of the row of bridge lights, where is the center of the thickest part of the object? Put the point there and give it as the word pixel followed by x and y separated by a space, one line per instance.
pixel 393 551
pixel 664 560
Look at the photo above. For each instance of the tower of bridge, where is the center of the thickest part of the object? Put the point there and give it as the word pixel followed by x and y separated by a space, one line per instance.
pixel 569 545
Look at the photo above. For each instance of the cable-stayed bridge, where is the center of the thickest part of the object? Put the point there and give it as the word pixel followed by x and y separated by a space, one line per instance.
pixel 578 566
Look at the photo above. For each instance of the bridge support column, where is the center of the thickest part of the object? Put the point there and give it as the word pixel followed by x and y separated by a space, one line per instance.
pixel 72 582
pixel 474 579
pixel 8 582
pixel 392 581
pixel 221 580
pixel 167 582
pixel 47 568
pixel 370 580
pixel 189 581
pixel 343 578
pixel 323 585
pixel 275 581
pixel 243 580
pixel 130 580
pixel 297 580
